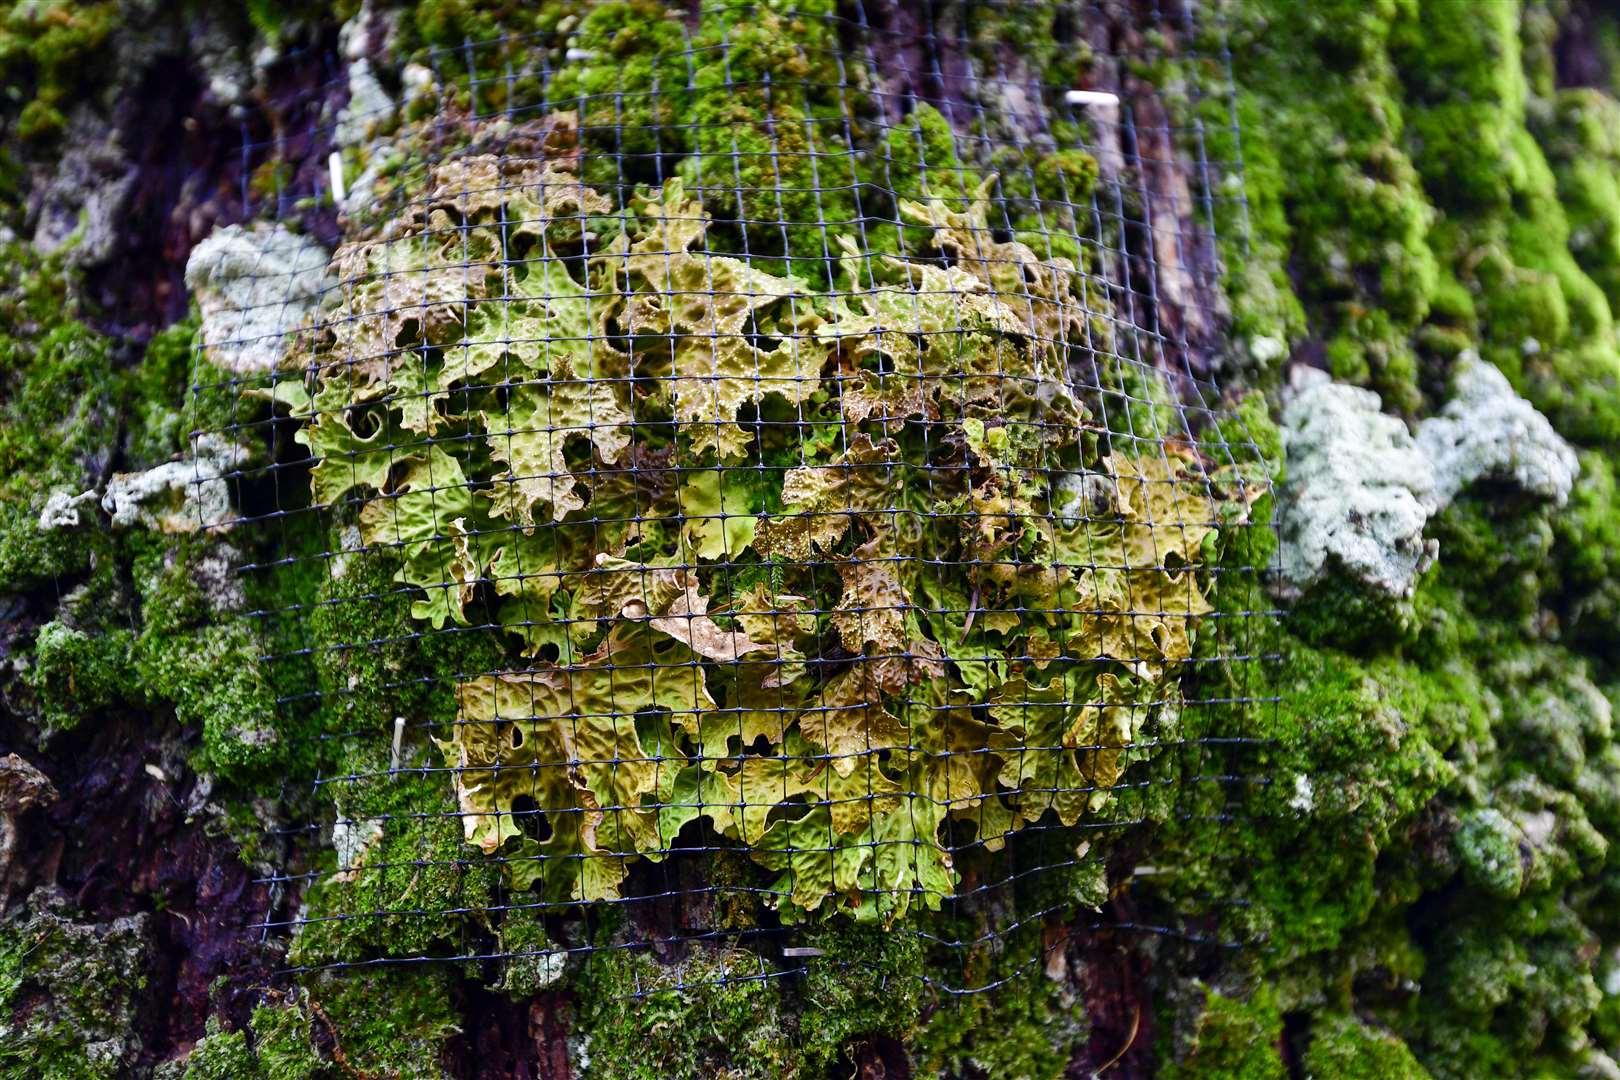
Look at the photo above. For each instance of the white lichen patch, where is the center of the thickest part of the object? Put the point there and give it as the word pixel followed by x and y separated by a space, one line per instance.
pixel 1361 487
pixel 1488 431
pixel 350 542
pixel 1358 490
pixel 352 838
pixel 178 496
pixel 64 511
pixel 370 108
pixel 215 574
pixel 1304 797
pixel 1265 349
pixel 254 286
pixel 537 970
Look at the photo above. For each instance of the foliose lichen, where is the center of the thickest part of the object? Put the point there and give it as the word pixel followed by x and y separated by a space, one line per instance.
pixel 656 458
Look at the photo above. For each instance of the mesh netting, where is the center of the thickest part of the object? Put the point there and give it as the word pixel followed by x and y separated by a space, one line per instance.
pixel 747 473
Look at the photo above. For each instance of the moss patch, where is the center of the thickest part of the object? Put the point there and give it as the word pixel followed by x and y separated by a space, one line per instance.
pixel 69 992
pixel 1234 1040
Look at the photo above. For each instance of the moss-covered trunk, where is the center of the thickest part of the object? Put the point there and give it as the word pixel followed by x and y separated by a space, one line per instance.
pixel 1376 845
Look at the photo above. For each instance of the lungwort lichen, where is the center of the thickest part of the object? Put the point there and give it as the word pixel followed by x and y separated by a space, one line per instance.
pixel 848 572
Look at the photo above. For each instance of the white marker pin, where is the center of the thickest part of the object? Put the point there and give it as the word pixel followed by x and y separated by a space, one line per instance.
pixel 576 55
pixel 399 736
pixel 334 165
pixel 1092 97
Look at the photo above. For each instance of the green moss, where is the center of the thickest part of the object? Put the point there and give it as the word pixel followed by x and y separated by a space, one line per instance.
pixel 637 1015
pixel 1337 611
pixel 1505 543
pixel 1344 1048
pixel 917 159
pixel 58 425
pixel 631 92
pixel 1583 148
pixel 75 673
pixel 1028 1028
pixel 1330 181
pixel 39 120
pixel 745 106
pixel 370 664
pixel 1512 990
pixel 284 1041
pixel 389 1021
pixel 411 886
pixel 197 654
pixel 709 1015
pixel 1067 176
pixel 1138 404
pixel 1233 1040
pixel 213 679
pixel 865 985
pixel 1431 846
pixel 1254 233
pixel 1351 752
pixel 164 407
pixel 60 432
pixel 491 54
pixel 767 143
pixel 1514 200
pixel 1587 548
pixel 221 1055
pixel 44 50
pixel 1491 859
pixel 1046 194
pixel 531 964
pixel 1245 434
pixel 1464 67
pixel 419 887
pixel 1339 895
pixel 1329 184
pixel 69 992
pixel 450 23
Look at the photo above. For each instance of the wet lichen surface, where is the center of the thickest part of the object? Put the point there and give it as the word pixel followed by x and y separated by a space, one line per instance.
pixel 1413 857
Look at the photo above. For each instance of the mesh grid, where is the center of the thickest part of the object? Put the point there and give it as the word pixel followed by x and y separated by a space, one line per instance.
pixel 765 478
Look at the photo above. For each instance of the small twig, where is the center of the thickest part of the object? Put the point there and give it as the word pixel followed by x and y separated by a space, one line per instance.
pixel 338 1055
pixel 410 888
pixel 1136 1023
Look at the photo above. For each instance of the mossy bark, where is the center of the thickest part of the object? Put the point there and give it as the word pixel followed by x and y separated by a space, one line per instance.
pixel 1414 851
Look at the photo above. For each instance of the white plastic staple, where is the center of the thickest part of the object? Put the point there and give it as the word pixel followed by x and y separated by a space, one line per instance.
pixel 334 165
pixel 1092 97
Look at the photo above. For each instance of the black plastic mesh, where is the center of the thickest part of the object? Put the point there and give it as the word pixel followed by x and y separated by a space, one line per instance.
pixel 694 513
